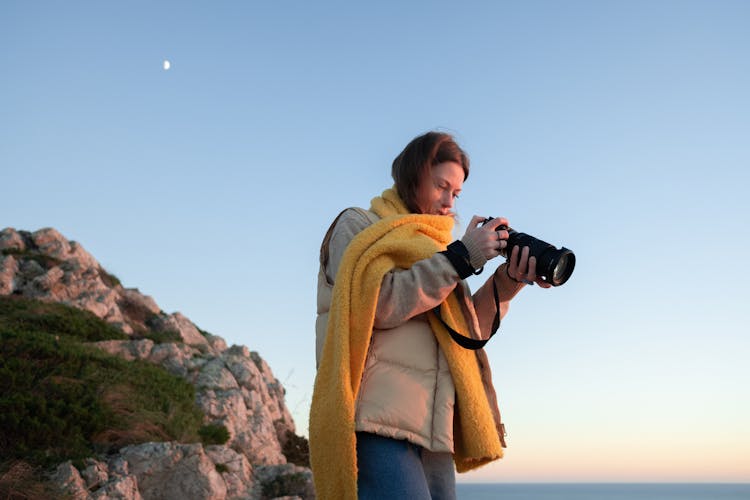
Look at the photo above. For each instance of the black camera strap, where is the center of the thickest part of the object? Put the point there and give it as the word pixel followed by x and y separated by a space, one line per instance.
pixel 468 342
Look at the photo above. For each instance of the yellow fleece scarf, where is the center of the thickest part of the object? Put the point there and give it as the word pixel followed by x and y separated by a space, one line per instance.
pixel 396 241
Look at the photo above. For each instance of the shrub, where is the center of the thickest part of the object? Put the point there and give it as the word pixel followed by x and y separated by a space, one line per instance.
pixel 296 449
pixel 161 337
pixel 108 279
pixel 213 434
pixel 20 481
pixel 286 485
pixel 137 312
pixel 153 330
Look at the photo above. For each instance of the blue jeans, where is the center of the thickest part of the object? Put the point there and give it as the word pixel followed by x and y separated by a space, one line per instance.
pixel 396 469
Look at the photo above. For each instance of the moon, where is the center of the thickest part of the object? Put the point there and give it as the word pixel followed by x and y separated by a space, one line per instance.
pixel 166 65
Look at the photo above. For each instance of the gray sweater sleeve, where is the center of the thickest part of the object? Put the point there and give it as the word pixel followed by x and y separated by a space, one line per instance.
pixel 404 293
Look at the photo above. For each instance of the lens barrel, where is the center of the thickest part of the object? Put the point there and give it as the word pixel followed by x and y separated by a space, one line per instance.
pixel 554 265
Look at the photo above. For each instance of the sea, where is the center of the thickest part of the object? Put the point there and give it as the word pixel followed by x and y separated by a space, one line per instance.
pixel 603 491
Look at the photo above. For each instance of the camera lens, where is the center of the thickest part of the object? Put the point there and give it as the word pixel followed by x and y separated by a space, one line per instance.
pixel 563 267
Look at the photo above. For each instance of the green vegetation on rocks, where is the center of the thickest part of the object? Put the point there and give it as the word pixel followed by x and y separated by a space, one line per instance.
pixel 46 261
pixel 26 315
pixel 109 279
pixel 61 399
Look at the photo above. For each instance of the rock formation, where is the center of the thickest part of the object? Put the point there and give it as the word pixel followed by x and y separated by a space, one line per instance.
pixel 235 388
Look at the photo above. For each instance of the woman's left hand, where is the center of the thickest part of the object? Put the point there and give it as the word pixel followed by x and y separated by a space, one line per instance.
pixel 523 268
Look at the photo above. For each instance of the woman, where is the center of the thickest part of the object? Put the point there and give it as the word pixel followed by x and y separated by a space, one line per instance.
pixel 397 401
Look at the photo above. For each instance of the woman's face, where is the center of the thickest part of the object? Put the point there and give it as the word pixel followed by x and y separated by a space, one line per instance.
pixel 437 191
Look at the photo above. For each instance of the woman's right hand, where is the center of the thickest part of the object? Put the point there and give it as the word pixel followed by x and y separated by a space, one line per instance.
pixel 486 238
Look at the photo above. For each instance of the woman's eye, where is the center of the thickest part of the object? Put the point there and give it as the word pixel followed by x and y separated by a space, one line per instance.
pixel 446 187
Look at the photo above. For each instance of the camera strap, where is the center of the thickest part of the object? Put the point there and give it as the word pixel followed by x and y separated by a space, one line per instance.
pixel 468 342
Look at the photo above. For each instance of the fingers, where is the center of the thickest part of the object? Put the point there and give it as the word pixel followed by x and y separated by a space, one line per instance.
pixel 513 263
pixel 476 220
pixel 523 264
pixel 543 284
pixel 493 224
pixel 500 235
pixel 521 267
pixel 531 271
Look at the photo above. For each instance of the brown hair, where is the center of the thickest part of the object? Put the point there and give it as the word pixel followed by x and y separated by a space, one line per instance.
pixel 415 161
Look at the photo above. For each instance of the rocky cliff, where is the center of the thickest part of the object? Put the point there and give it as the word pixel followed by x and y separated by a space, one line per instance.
pixel 234 387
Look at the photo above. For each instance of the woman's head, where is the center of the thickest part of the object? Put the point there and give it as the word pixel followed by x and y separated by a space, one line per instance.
pixel 429 173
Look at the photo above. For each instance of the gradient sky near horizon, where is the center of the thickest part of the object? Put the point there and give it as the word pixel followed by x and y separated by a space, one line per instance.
pixel 618 129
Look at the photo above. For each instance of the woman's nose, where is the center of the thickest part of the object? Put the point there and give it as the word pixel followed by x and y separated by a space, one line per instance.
pixel 447 199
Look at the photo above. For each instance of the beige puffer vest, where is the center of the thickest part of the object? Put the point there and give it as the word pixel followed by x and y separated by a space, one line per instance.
pixel 407 391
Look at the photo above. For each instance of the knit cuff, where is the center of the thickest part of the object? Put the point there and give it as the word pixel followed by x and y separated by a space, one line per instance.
pixel 459 257
pixel 476 257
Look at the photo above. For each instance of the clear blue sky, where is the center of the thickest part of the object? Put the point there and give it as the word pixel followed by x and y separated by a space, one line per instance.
pixel 618 129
